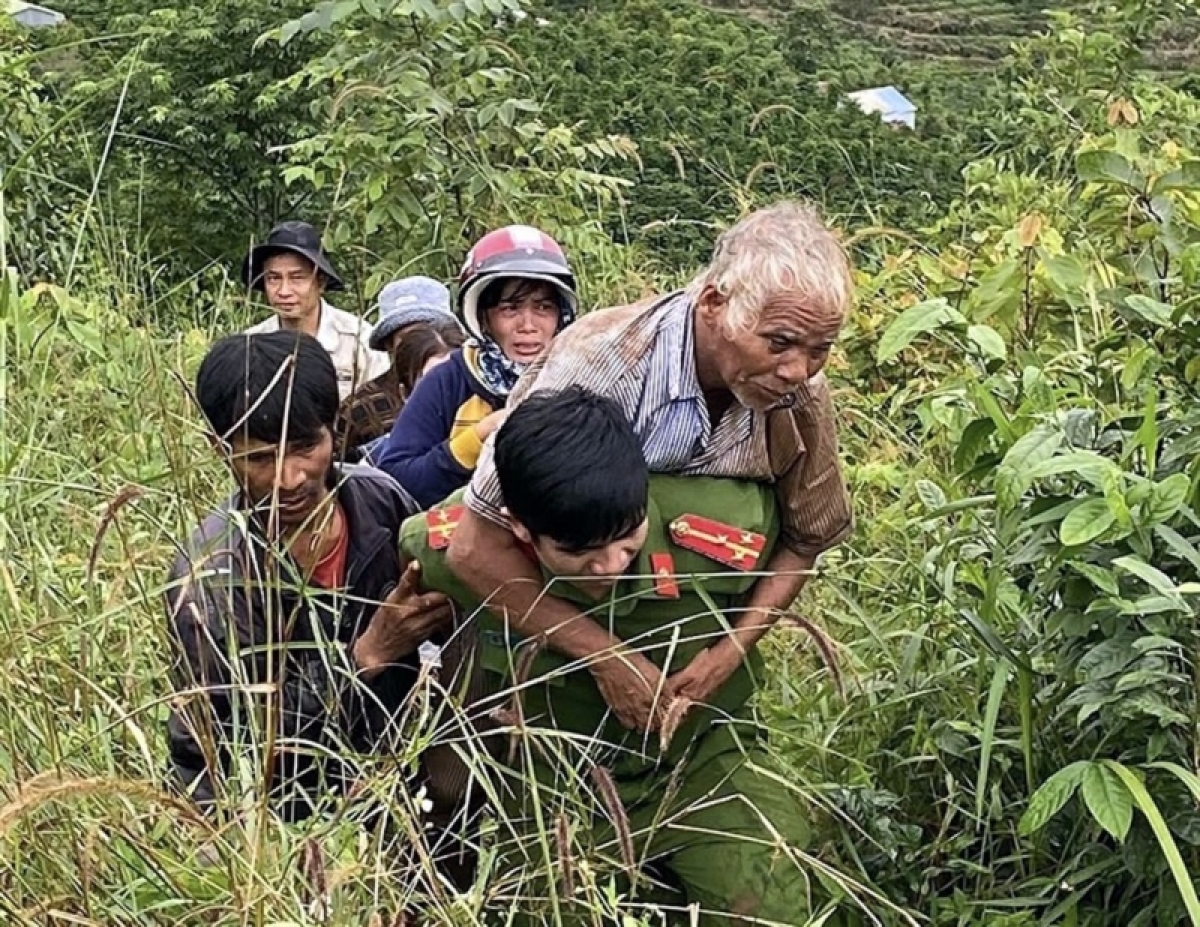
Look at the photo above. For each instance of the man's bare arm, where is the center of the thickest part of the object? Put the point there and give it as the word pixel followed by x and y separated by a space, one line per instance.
pixel 485 557
pixel 773 594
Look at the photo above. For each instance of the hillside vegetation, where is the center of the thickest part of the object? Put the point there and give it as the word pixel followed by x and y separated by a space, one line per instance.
pixel 1009 733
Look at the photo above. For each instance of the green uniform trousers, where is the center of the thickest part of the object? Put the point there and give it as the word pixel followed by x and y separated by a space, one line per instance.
pixel 722 830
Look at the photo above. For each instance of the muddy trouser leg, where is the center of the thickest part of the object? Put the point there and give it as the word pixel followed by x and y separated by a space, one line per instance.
pixel 736 836
pixel 724 830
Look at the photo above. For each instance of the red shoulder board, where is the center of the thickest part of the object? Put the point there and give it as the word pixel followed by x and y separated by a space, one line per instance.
pixel 665 583
pixel 720 542
pixel 441 524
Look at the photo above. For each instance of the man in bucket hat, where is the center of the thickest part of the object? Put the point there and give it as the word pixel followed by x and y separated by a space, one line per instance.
pixel 292 270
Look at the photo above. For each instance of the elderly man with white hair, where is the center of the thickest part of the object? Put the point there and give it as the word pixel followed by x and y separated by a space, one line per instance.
pixel 720 379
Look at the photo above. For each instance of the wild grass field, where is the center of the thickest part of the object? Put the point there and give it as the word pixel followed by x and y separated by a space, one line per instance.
pixel 1009 735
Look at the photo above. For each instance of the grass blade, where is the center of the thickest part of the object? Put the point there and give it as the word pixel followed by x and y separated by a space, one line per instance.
pixel 1183 880
pixel 991 713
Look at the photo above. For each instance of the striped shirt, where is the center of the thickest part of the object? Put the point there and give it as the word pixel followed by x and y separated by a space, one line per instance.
pixel 643 357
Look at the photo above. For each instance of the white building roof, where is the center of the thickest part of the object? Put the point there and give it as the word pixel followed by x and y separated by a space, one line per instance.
pixel 888 102
pixel 31 15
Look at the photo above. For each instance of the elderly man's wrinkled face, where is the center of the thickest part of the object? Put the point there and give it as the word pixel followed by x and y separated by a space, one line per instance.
pixel 764 365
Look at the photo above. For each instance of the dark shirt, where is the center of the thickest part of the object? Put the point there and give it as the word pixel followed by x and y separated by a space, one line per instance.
pixel 255 641
pixel 433 446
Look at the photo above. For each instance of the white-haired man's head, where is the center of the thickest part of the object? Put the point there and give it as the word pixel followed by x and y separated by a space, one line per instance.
pixel 770 304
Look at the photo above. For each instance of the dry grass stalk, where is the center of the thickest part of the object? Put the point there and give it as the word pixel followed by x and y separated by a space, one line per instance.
pixel 824 644
pixel 315 878
pixel 126 495
pixel 676 711
pixel 603 781
pixel 50 787
pixel 562 837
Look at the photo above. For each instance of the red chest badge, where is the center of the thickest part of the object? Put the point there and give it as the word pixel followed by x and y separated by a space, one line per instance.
pixel 723 543
pixel 665 583
pixel 440 525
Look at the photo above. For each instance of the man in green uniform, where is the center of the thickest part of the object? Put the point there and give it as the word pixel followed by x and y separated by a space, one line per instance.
pixel 663 564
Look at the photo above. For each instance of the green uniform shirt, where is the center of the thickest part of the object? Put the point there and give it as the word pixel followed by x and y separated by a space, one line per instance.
pixel 639 610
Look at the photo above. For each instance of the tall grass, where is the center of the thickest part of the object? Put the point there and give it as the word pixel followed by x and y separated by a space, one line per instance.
pixel 105 470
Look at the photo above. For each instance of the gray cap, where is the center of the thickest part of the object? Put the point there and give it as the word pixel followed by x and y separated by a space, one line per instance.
pixel 407 302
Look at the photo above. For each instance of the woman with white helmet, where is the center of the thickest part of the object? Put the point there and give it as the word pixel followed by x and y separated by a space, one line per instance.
pixel 516 292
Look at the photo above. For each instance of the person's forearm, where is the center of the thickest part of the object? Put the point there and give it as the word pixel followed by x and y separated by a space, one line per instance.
pixel 487 560
pixel 773 594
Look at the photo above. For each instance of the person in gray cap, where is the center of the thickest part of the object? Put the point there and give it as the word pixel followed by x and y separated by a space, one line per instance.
pixel 416 327
pixel 292 270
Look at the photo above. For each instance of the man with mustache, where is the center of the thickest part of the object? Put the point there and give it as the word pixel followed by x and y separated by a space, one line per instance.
pixel 297 632
pixel 721 379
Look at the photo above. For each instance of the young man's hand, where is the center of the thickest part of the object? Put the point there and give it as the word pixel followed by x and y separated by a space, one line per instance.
pixel 632 687
pixel 401 624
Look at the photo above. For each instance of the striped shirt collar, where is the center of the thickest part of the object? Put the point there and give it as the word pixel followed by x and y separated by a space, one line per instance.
pixel 675 352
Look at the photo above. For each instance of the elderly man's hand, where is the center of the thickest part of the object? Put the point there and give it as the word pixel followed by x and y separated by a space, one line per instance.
pixel 401 624
pixel 631 686
pixel 709 670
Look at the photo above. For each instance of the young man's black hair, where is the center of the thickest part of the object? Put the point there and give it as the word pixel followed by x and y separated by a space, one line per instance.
pixel 284 378
pixel 571 469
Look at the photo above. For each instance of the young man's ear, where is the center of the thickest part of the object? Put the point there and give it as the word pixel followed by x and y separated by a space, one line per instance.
pixel 520 532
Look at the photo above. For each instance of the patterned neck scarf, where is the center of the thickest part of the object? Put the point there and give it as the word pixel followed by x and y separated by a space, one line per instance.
pixel 496 371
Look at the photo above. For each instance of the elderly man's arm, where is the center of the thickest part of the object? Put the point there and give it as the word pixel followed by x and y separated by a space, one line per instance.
pixel 770 598
pixel 815 513
pixel 486 558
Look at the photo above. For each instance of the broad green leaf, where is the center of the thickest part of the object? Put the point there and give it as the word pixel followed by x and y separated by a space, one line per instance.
pixel 974 439
pixel 914 321
pixel 289 31
pixel 1108 658
pixel 1067 274
pixel 1150 309
pixel 1109 801
pixel 1167 497
pixel 1050 797
pixel 1013 474
pixel 1112 484
pixel 1108 167
pixel 987 402
pixel 1132 371
pixel 1086 522
pixel 1179 545
pixel 1155 578
pixel 1179 869
pixel 988 340
pixel 1099 577
pixel 1157 604
pixel 999 289
pixel 1184 177
pixel 1087 465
